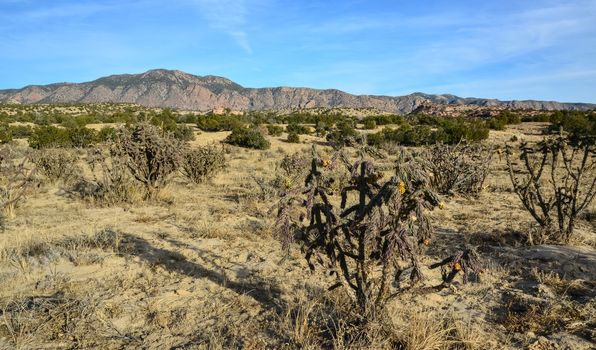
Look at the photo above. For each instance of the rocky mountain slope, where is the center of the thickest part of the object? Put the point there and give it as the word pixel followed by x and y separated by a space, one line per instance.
pixel 176 89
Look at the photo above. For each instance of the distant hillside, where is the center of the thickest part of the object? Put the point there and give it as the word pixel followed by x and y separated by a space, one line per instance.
pixel 176 89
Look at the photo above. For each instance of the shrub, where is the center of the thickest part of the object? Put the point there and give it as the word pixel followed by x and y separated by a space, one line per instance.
pixel 15 180
pixel 111 182
pixel 504 118
pixel 459 129
pixel 459 168
pixel 20 131
pixel 344 134
pixel 183 133
pixel 219 123
pixel 293 137
pixel 449 131
pixel 362 244
pixel 556 184
pixel 298 129
pixel 53 137
pixel 369 124
pixel 49 136
pixel 5 133
pixel 149 155
pixel 274 130
pixel 249 138
pixel 106 134
pixel 202 163
pixel 56 164
pixel 81 137
pixel 384 119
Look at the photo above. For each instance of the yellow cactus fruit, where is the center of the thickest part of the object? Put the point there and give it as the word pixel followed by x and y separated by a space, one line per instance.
pixel 457 266
pixel 402 187
pixel 426 242
pixel 326 163
pixel 413 218
pixel 441 205
pixel 288 182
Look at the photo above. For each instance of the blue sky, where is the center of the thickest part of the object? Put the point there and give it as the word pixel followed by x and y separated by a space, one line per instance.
pixel 509 49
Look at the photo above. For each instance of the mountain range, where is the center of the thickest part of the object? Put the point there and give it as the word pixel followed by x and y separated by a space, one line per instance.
pixel 177 89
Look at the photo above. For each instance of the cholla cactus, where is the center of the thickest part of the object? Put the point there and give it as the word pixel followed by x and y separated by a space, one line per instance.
pixel 202 163
pixel 15 180
pixel 465 261
pixel 460 168
pixel 149 154
pixel 368 239
pixel 555 182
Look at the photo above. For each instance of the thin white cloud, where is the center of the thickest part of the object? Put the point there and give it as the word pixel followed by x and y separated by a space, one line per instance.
pixel 228 16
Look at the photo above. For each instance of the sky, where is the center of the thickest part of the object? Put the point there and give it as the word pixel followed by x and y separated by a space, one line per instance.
pixel 507 49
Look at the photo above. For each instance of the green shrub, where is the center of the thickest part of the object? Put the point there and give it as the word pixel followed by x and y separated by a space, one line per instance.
pixel 384 119
pixel 5 133
pixel 81 137
pixel 460 129
pixel 248 138
pixel 183 133
pixel 219 123
pixel 49 136
pixel 298 129
pixel 106 134
pixel 369 124
pixel 274 130
pixel 202 163
pixel 503 119
pixel 293 137
pixel 344 134
pixel 21 131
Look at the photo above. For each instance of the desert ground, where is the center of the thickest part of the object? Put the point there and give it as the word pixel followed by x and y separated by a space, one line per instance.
pixel 200 268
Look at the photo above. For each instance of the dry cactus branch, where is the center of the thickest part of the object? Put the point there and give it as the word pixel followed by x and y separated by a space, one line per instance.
pixel 555 184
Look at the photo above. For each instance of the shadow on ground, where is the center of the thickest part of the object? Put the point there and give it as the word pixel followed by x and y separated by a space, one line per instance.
pixel 263 291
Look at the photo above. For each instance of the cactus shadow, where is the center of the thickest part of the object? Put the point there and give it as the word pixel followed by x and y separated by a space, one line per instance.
pixel 261 290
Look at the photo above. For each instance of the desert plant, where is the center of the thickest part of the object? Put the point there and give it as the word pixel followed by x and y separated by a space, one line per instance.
pixel 56 164
pixel 344 134
pixel 460 168
pixel 555 182
pixel 294 164
pixel 183 133
pixel 363 243
pixel 298 129
pixel 202 163
pixel 249 138
pixel 293 137
pixel 149 154
pixel 369 124
pixel 15 180
pixel 111 182
pixel 274 130
pixel 49 136
pixel 465 261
